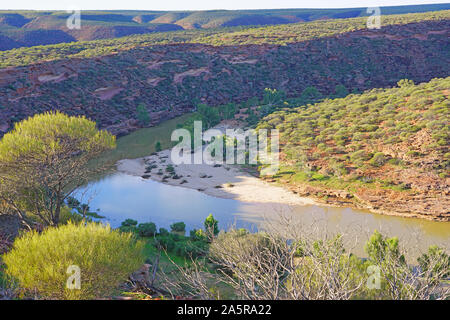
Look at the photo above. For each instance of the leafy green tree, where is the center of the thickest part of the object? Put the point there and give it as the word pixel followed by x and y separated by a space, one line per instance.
pixel 273 98
pixel 198 235
pixel 73 202
pixel 163 232
pixel 210 115
pixel 381 249
pixel 178 227
pixel 436 261
pixel 146 229
pixel 384 253
pixel 340 91
pixel 211 226
pixel 310 95
pixel 129 225
pixel 142 114
pixel 44 159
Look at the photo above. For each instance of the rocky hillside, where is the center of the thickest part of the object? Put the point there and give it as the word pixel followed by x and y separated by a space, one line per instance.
pixel 172 79
pixel 275 35
pixel 31 28
pixel 385 149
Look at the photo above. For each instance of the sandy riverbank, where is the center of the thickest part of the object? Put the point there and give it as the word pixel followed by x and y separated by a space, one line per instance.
pixel 223 181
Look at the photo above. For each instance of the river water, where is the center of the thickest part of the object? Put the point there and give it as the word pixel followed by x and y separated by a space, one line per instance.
pixel 119 196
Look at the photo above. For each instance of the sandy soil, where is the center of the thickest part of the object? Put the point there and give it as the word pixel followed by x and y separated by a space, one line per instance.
pixel 224 181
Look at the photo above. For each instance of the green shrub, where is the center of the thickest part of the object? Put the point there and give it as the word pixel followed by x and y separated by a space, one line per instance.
pixel 39 262
pixel 67 215
pixel 378 159
pixel 146 229
pixel 196 249
pixel 158 147
pixel 163 232
pixel 413 153
pixel 435 261
pixel 318 176
pixel 198 235
pixel 142 114
pixel 180 249
pixel 129 225
pixel 127 229
pixel 178 227
pixel 359 157
pixel 166 242
pixel 129 222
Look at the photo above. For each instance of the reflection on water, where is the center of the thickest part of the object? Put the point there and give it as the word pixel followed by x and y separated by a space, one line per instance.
pixel 120 196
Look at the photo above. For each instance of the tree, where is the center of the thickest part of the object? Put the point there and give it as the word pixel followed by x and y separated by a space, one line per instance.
pixel 399 280
pixel 210 115
pixel 340 91
pixel 211 226
pixel 273 98
pixel 310 95
pixel 44 159
pixel 146 229
pixel 142 114
pixel 178 227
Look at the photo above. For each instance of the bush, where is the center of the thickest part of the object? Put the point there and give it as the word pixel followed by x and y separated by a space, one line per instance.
pixel 163 232
pixel 128 229
pixel 359 157
pixel 178 227
pixel 435 261
pixel 158 147
pixel 170 168
pixel 378 159
pixel 129 225
pixel 105 257
pixel 196 249
pixel 129 222
pixel 146 229
pixel 198 235
pixel 166 242
pixel 67 215
pixel 180 249
pixel 142 114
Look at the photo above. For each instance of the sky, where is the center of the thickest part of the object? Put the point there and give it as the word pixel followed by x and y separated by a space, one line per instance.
pixel 199 4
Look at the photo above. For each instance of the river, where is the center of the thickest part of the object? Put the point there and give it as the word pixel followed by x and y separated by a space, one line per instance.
pixel 119 196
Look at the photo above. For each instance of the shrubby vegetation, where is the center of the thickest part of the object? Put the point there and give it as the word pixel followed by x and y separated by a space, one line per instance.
pixel 43 160
pixel 39 262
pixel 175 243
pixel 342 142
pixel 290 33
pixel 287 262
pixel 339 140
pixel 282 262
pixel 280 34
